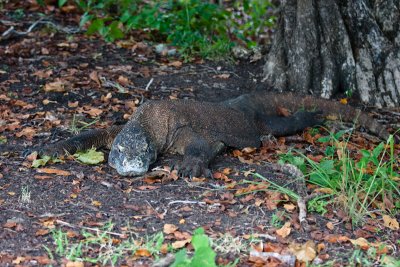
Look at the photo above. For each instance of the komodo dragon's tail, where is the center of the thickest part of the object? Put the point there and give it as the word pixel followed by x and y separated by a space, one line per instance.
pixel 328 107
pixel 94 138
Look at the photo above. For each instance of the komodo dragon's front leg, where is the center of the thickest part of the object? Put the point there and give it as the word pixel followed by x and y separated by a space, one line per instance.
pixel 97 138
pixel 197 156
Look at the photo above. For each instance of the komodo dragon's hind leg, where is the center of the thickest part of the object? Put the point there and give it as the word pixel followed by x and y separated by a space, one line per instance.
pixel 283 126
pixel 98 138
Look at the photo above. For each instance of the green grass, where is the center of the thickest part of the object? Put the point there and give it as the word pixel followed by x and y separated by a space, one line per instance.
pixel 360 181
pixel 196 27
pixel 101 246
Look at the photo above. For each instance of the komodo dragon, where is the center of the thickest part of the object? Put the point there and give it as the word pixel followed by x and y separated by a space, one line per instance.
pixel 200 130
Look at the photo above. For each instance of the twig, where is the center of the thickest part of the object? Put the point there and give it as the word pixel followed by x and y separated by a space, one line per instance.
pixel 286 260
pixel 186 202
pixel 97 230
pixel 12 32
pixel 148 85
pixel 165 262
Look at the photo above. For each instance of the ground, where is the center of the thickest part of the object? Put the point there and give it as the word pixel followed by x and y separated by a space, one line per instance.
pixel 50 79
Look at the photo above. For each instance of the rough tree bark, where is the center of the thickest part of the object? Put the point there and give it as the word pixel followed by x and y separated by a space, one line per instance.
pixel 329 46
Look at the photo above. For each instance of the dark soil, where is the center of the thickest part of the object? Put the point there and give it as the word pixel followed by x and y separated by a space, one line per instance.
pixel 144 207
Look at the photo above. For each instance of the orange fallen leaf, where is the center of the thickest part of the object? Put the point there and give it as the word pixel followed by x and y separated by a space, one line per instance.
pixel 142 252
pixel 330 225
pixel 42 232
pixel 169 228
pixel 74 264
pixel 390 222
pixel 180 243
pixel 361 242
pixel 304 252
pixel 53 171
pixel 289 207
pixel 96 203
pixel 285 230
pixel 176 64
pixel 56 86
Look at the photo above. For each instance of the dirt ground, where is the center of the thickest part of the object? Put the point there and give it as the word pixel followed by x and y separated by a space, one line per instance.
pixel 48 78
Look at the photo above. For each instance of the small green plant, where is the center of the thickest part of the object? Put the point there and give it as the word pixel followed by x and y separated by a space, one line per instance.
pixel 25 197
pixel 318 204
pixel 276 220
pixel 102 242
pixel 196 27
pixel 18 14
pixel 204 255
pixel 75 129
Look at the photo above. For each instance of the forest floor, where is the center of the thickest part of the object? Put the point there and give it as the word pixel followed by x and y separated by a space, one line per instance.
pixel 51 81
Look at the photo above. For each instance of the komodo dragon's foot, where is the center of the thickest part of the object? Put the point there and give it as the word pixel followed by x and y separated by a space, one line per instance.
pixel 193 167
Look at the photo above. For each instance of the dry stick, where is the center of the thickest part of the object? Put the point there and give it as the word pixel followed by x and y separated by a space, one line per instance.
pixel 11 31
pixel 97 230
pixel 287 260
pixel 148 85
pixel 301 191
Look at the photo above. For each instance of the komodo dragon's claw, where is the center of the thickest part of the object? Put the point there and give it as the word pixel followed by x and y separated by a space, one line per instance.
pixel 193 167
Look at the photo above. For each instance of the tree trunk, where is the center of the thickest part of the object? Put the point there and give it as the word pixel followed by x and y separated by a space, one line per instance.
pixel 326 47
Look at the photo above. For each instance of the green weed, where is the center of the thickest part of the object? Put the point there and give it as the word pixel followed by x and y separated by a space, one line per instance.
pixel 357 184
pixel 77 126
pixel 197 28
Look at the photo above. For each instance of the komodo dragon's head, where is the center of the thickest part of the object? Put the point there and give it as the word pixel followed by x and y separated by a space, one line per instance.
pixel 132 152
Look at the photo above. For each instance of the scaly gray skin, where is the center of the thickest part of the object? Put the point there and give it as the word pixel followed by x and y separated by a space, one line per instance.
pixel 200 130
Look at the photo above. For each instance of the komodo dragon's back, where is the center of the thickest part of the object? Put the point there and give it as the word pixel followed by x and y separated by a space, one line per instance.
pixel 165 120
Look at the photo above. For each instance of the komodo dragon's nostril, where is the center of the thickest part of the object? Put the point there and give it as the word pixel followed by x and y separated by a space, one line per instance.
pixel 120 148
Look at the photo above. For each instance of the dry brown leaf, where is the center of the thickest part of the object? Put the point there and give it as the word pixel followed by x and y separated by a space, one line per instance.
pixel 222 76
pixel 73 104
pixel 142 252
pixel 42 232
pixel 304 252
pixel 28 132
pixel 74 264
pixel 123 80
pixel 361 242
pixel 169 228
pixel 53 171
pixel 56 86
pixel 176 64
pixel 285 230
pixel 95 77
pixel 96 203
pixel 246 161
pixel 282 111
pixel 290 207
pixel 330 226
pixel 324 190
pixel 43 177
pixel 390 222
pixel 92 111
pixel 180 243
pixel 43 74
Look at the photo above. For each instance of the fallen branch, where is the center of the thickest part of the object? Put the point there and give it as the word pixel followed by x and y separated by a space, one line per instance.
pixel 286 260
pixel 11 32
pixel 97 230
